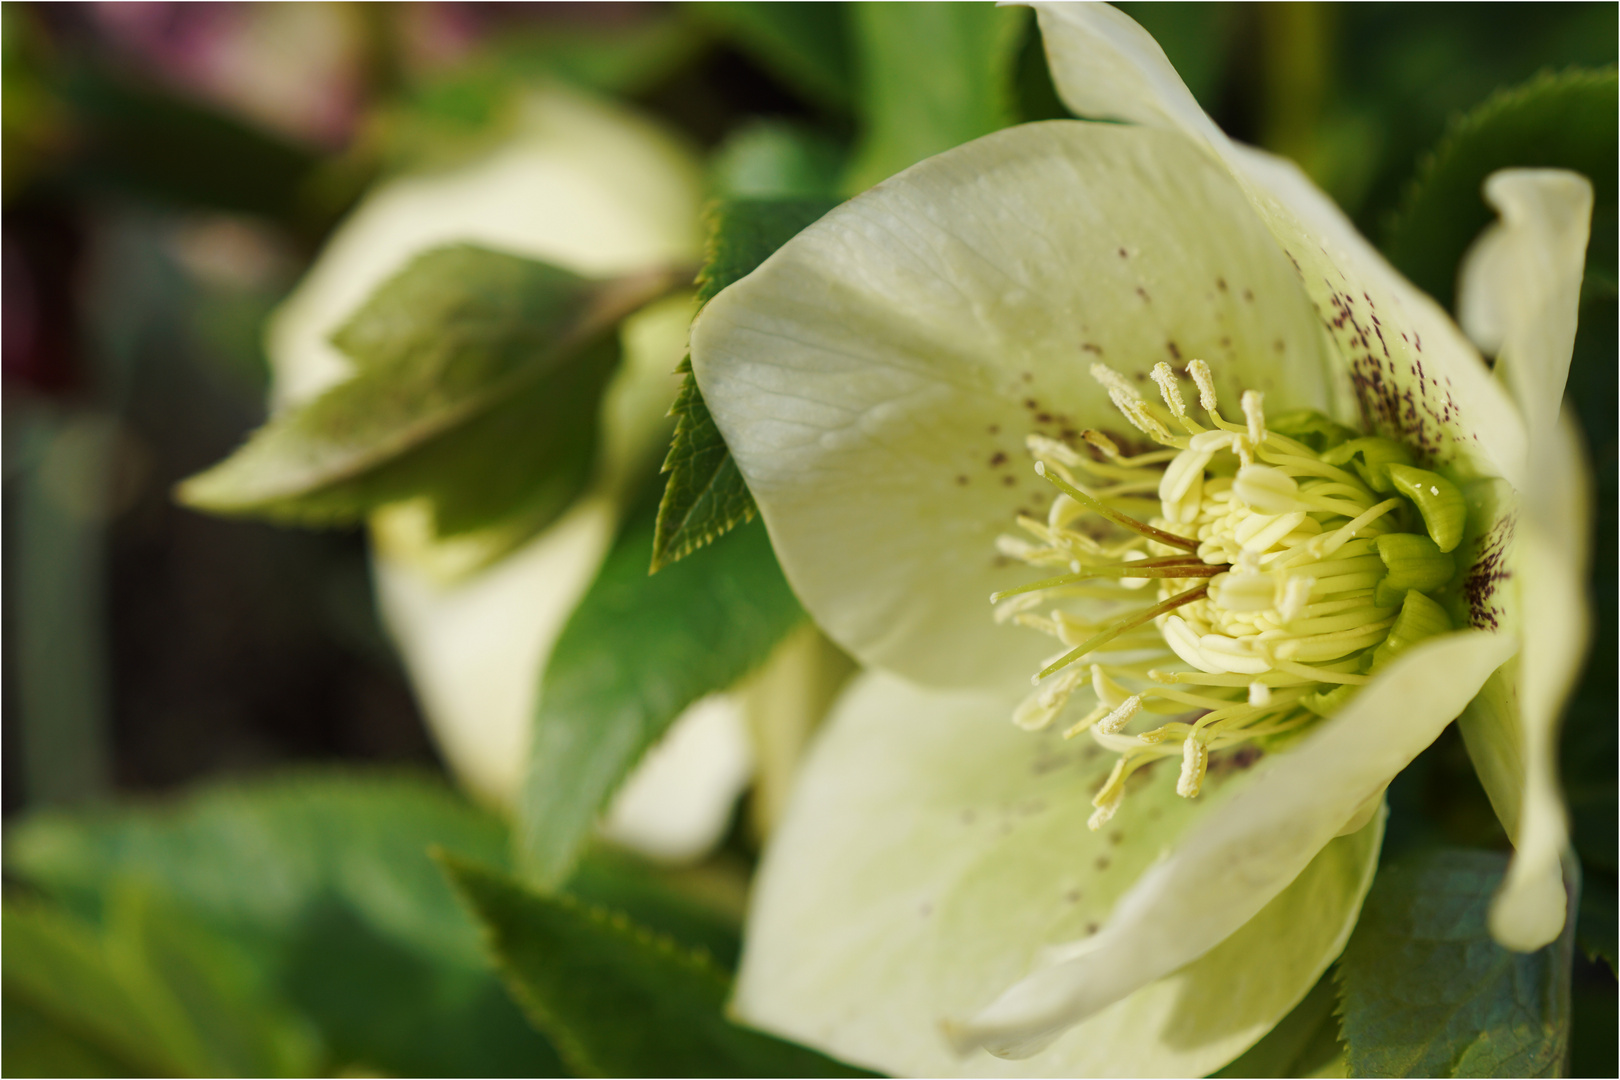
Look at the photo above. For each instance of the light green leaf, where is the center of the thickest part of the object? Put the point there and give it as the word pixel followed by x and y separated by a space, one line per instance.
pixel 1428 993
pixel 324 883
pixel 705 495
pixel 636 652
pixel 1564 120
pixel 776 159
pixel 477 382
pixel 807 45
pixel 616 998
pixel 932 76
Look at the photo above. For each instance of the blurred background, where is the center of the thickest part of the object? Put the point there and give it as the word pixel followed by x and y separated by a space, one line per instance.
pixel 171 169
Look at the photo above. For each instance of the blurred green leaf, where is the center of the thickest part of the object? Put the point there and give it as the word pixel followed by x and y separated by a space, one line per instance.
pixel 147 991
pixel 1427 992
pixel 806 45
pixel 1565 120
pixel 325 886
pixel 1595 932
pixel 776 159
pixel 33 1043
pixel 705 495
pixel 477 381
pixel 58 975
pixel 140 139
pixel 932 76
pixel 636 652
pixel 616 998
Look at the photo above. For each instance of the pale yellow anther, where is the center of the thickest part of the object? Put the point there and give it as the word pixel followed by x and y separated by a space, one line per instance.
pixel 1168 390
pixel 1114 382
pixel 1295 593
pixel 1136 411
pixel 1194 761
pixel 1268 490
pixel 1264 575
pixel 1254 413
pixel 1122 715
pixel 1205 381
pixel 1108 799
pixel 1042 447
pixel 1102 442
pixel 1109 692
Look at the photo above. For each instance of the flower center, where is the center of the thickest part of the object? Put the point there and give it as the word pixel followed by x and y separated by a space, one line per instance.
pixel 1293 560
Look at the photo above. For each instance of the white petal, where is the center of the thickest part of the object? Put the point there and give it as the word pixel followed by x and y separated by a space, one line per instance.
pixel 1520 287
pixel 475 650
pixel 1415 373
pixel 877 376
pixel 932 852
pixel 1248 851
pixel 677 803
pixel 1519 290
pixel 1549 562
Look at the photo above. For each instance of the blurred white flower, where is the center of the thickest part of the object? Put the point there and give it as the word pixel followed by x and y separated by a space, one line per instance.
pixel 593 189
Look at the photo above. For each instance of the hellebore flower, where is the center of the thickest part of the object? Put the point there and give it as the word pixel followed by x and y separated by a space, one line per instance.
pixel 1230 396
pixel 595 190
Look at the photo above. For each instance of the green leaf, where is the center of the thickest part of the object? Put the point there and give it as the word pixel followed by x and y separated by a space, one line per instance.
pixel 705 495
pixel 636 652
pixel 33 1043
pixel 616 998
pixel 1565 120
pixel 477 379
pixel 932 76
pixel 1428 993
pixel 806 45
pixel 324 885
pixel 57 972
pixel 776 159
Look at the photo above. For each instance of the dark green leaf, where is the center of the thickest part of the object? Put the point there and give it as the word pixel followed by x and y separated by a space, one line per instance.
pixel 932 76
pixel 477 380
pixel 616 998
pixel 705 494
pixel 1595 932
pixel 1427 992
pixel 325 886
pixel 33 1043
pixel 806 45
pixel 636 652
pixel 1566 120
pixel 136 138
pixel 1302 1042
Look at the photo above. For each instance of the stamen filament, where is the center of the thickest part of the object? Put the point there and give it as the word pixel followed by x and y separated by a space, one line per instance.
pixel 1113 515
pixel 1129 624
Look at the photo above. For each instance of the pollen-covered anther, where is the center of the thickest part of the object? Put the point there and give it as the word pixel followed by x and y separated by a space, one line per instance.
pixel 1285 577
pixel 1254 413
pixel 1205 381
pixel 1194 762
pixel 1123 714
